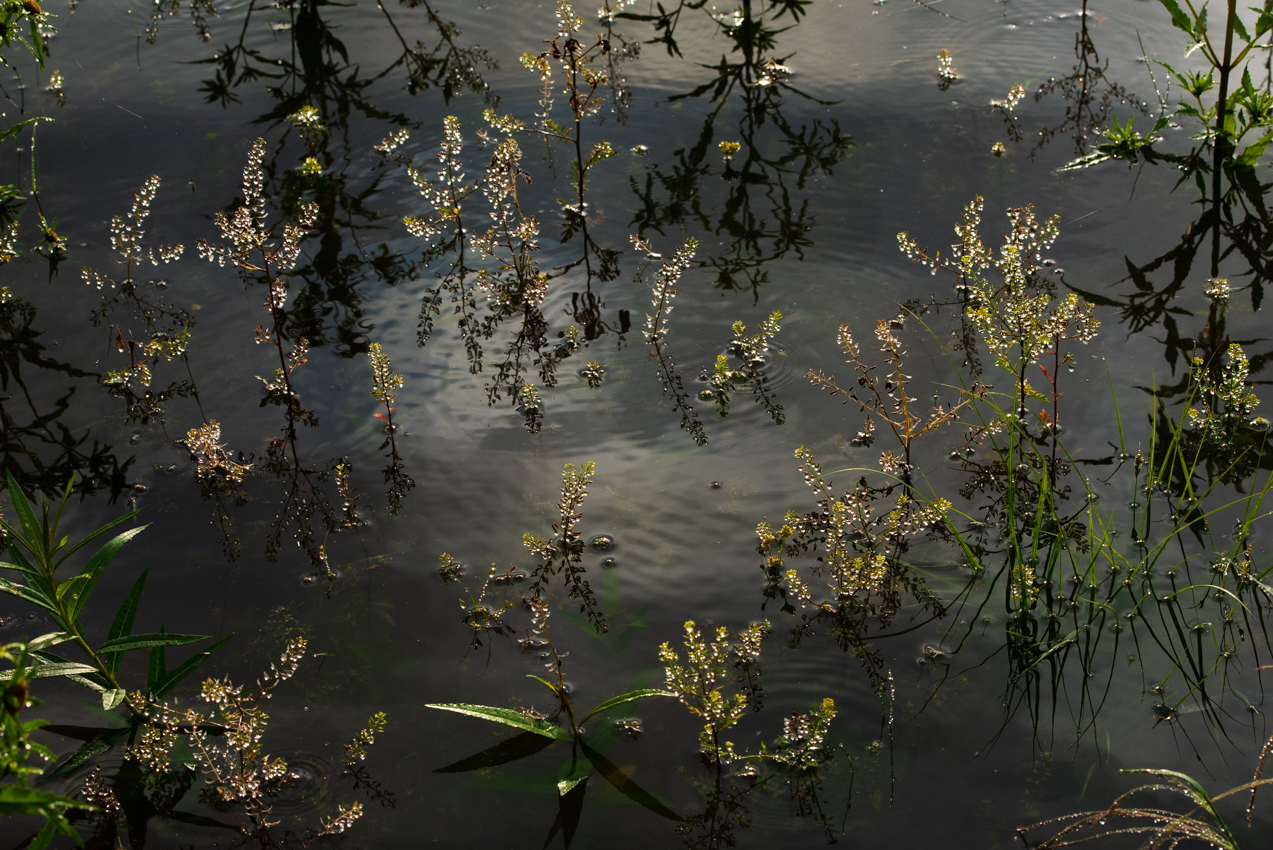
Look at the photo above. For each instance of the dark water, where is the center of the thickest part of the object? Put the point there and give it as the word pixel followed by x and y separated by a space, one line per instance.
pixel 863 142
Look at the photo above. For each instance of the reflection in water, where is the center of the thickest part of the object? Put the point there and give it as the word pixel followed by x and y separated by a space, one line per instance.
pixel 1090 97
pixel 759 217
pixel 41 452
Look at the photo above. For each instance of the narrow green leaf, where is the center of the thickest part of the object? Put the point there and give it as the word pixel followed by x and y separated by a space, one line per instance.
pixel 15 800
pixel 46 671
pixel 69 586
pixel 130 642
pixel 23 568
pixel 174 676
pixel 30 594
pixel 89 751
pixel 96 564
pixel 98 533
pixel 630 696
pixel 5 135
pixel 123 622
pixel 112 698
pixel 547 684
pixel 507 717
pixel 30 528
pixel 45 641
pixel 158 667
pixel 37 44
pixel 36 577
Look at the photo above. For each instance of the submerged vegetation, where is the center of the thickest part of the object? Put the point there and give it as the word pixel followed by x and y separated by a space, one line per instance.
pixel 1014 525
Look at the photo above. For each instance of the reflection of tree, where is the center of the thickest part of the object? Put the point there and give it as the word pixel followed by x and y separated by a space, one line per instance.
pixel 1235 227
pixel 446 65
pixel 761 220
pixel 38 449
pixel 1090 96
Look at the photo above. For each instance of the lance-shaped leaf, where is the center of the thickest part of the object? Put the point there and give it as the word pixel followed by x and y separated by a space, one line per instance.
pixel 30 594
pixel 630 696
pixel 123 622
pixel 173 677
pixel 30 528
pixel 93 569
pixel 86 753
pixel 57 668
pixel 45 641
pixel 507 717
pixel 152 639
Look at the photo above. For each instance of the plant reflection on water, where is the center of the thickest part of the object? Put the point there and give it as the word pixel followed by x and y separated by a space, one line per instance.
pixel 987 527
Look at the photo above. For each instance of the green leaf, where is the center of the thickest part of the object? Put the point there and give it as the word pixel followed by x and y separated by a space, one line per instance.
pixel 30 594
pixel 630 696
pixel 1254 151
pixel 131 642
pixel 45 641
pixel 37 44
pixel 1240 28
pixel 89 751
pixel 5 135
pixel 174 676
pixel 16 800
pixel 158 667
pixel 96 564
pixel 57 668
pixel 30 528
pixel 112 698
pixel 507 717
pixel 577 773
pixel 123 622
pixel 98 533
pixel 547 684
pixel 1178 17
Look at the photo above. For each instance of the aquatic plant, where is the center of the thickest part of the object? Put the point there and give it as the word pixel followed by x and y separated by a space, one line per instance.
pixel 700 680
pixel 385 384
pixel 64 599
pixel 17 797
pixel 751 351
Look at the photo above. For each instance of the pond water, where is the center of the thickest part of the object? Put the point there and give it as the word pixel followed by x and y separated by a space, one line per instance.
pixel 847 135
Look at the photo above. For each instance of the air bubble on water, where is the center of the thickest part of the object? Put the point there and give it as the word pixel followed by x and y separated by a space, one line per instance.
pixel 608 562
pixel 602 542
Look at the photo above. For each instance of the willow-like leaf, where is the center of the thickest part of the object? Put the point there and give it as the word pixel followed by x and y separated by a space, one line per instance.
pixel 630 696
pixel 507 717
